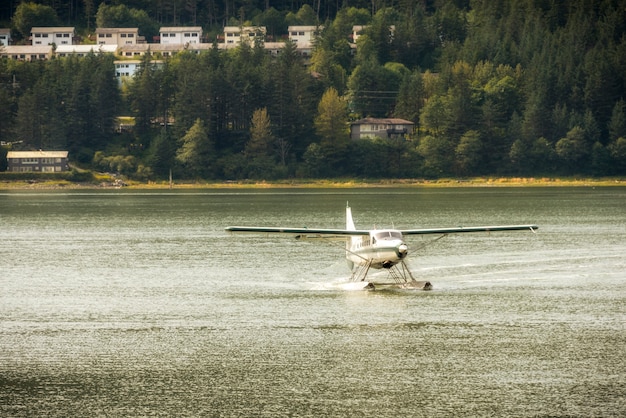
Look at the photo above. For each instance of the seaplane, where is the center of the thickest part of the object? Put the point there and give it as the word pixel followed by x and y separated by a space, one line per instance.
pixel 378 249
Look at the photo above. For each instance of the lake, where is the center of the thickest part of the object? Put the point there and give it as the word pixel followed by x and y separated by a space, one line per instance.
pixel 138 303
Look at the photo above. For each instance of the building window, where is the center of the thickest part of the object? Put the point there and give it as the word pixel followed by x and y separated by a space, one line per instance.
pixel 123 35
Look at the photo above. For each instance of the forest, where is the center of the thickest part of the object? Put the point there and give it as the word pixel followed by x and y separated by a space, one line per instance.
pixel 494 87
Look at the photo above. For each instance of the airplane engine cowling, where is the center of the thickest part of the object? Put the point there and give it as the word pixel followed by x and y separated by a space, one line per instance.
pixel 402 250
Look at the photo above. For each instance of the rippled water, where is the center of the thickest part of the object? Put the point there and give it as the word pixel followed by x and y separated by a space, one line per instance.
pixel 131 303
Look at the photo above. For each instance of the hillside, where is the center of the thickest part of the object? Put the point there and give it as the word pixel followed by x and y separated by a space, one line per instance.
pixel 530 87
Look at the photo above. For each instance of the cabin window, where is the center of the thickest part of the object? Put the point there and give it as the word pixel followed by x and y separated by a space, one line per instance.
pixel 388 235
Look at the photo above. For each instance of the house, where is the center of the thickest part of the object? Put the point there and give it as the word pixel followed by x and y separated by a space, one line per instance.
pixel 83 50
pixel 234 35
pixel 117 36
pixel 5 37
pixel 180 35
pixel 128 68
pixel 359 30
pixel 52 35
pixel 381 128
pixel 37 161
pixel 304 35
pixel 26 52
pixel 160 50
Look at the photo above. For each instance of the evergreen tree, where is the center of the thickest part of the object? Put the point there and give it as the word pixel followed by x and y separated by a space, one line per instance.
pixel 573 150
pixel 162 153
pixel 617 125
pixel 411 98
pixel 144 95
pixel 261 137
pixel 196 152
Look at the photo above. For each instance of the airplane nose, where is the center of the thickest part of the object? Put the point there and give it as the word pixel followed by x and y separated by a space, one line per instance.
pixel 403 249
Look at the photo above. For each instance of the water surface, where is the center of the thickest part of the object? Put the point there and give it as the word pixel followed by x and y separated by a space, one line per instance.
pixel 126 303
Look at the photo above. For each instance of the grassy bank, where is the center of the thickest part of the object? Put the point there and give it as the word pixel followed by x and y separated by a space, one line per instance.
pixel 106 182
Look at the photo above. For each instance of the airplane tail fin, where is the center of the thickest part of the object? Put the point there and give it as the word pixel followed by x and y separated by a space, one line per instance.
pixel 350 227
pixel 349 222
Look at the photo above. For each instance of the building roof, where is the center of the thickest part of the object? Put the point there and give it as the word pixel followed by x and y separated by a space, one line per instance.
pixel 116 30
pixel 385 121
pixel 181 29
pixel 26 49
pixel 84 49
pixel 136 62
pixel 305 28
pixel 244 29
pixel 51 29
pixel 156 48
pixel 37 154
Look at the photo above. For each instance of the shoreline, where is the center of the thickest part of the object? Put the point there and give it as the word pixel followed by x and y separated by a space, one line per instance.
pixel 319 184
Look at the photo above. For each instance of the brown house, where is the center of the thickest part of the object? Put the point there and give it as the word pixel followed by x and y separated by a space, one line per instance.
pixel 37 161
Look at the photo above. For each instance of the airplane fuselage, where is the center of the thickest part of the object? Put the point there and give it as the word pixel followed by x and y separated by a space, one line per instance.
pixel 382 248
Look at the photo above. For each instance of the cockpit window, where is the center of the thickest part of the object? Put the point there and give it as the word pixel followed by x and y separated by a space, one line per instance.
pixel 388 235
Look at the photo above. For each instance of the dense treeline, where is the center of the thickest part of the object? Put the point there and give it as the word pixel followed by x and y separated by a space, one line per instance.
pixel 527 87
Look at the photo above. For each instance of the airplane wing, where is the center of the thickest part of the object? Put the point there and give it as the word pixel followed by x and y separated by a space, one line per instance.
pixel 316 232
pixel 299 232
pixel 461 229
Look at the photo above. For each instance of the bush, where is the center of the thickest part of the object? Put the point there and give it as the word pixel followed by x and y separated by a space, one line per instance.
pixel 72 176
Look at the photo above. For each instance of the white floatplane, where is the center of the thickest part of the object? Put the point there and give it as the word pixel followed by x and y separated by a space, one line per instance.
pixel 377 248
